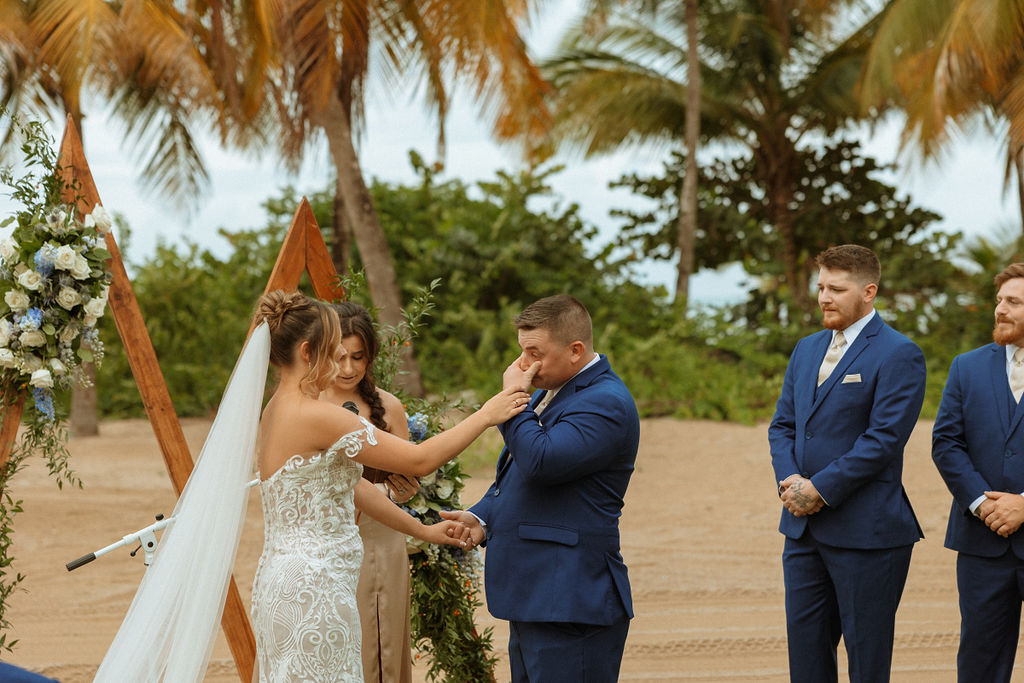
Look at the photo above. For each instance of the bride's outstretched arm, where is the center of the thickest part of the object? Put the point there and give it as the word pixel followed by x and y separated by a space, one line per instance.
pixel 371 501
pixel 397 455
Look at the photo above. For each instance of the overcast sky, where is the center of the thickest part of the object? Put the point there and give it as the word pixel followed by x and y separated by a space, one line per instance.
pixel 965 186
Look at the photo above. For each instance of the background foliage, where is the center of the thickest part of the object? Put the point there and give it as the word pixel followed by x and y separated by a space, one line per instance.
pixel 496 246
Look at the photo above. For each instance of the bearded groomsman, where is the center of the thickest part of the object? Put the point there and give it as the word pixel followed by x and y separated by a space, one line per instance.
pixel 978 446
pixel 850 399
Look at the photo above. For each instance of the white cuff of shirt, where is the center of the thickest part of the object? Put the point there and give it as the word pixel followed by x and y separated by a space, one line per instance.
pixel 976 504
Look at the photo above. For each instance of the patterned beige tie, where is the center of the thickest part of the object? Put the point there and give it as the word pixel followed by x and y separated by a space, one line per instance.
pixel 835 352
pixel 1017 374
pixel 548 395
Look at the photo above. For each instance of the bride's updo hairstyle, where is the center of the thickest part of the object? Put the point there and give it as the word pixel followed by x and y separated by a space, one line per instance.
pixel 294 318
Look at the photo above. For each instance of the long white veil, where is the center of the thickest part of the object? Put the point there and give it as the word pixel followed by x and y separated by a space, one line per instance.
pixel 169 630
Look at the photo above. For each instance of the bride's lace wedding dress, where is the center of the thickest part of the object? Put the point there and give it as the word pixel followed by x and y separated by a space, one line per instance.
pixel 304 595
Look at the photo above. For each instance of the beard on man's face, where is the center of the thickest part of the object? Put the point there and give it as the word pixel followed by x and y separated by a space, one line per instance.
pixel 1007 331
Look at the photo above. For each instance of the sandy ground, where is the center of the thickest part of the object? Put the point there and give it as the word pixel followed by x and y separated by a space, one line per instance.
pixel 699 536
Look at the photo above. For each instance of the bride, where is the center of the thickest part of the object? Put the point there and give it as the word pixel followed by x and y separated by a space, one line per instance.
pixel 310 458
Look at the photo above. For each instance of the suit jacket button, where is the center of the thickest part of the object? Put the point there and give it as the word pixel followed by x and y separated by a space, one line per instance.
pixel 497 491
pixel 805 475
pixel 808 435
pixel 1008 453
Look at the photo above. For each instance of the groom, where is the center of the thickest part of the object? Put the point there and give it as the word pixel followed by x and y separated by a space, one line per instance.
pixel 551 517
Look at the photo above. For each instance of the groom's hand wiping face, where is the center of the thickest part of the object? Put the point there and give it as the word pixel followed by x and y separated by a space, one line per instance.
pixel 519 375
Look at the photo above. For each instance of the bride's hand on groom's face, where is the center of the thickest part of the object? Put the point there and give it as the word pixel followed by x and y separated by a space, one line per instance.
pixel 515 377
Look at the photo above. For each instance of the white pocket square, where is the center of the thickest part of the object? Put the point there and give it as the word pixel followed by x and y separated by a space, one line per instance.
pixel 851 379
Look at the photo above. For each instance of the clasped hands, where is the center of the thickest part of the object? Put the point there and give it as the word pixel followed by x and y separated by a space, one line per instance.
pixel 1002 512
pixel 799 495
pixel 473 532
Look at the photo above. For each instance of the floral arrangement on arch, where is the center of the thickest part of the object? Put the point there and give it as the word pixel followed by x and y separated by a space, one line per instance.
pixel 54 282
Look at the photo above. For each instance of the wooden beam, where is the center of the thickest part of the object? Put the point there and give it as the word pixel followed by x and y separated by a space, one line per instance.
pixel 303 250
pixel 155 396
pixel 9 428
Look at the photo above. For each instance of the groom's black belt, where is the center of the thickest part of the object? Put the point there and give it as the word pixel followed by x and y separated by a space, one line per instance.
pixel 374 475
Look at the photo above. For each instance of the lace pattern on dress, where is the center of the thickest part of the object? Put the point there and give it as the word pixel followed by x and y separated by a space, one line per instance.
pixel 303 604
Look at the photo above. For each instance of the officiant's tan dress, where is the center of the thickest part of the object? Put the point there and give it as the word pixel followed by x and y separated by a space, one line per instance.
pixel 383 600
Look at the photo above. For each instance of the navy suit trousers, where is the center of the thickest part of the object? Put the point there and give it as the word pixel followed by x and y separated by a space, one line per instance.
pixel 991 589
pixel 841 592
pixel 557 652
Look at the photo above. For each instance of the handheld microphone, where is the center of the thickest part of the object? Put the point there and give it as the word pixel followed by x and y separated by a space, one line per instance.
pixel 349 405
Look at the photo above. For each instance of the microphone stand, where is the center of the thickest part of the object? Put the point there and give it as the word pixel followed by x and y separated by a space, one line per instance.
pixel 145 537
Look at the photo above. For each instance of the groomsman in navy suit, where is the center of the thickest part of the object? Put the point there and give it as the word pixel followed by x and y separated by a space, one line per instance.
pixel 551 518
pixel 978 446
pixel 851 396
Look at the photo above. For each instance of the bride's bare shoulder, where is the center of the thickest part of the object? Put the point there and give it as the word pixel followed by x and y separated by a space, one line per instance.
pixel 310 421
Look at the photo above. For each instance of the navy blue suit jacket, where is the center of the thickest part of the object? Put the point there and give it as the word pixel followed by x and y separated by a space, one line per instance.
pixel 553 511
pixel 978 446
pixel 847 436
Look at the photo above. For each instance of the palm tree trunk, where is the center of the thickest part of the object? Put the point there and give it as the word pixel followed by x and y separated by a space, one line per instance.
pixel 1018 164
pixel 369 236
pixel 688 194
pixel 341 243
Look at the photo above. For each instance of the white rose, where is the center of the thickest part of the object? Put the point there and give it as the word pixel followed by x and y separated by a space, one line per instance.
pixel 95 307
pixel 33 338
pixel 80 269
pixel 17 300
pixel 429 479
pixel 31 280
pixel 8 359
pixel 105 294
pixel 5 332
pixel 102 219
pixel 58 366
pixel 41 378
pixel 68 334
pixel 68 298
pixel 89 321
pixel 419 504
pixel 8 249
pixel 445 488
pixel 64 257
pixel 31 362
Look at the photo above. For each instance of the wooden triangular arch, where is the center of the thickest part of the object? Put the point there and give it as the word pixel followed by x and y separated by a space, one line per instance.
pixel 303 250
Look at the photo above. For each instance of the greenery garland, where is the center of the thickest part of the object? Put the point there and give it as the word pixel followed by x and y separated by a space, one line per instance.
pixel 54 280
pixel 445 580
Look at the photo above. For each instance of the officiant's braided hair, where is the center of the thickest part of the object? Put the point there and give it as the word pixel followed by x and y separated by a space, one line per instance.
pixel 294 318
pixel 354 319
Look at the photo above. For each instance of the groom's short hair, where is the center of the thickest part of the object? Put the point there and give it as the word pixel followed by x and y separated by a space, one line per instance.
pixel 562 315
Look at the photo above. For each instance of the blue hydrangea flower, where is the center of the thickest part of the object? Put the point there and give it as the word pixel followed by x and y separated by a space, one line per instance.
pixel 32 319
pixel 45 260
pixel 418 426
pixel 44 403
